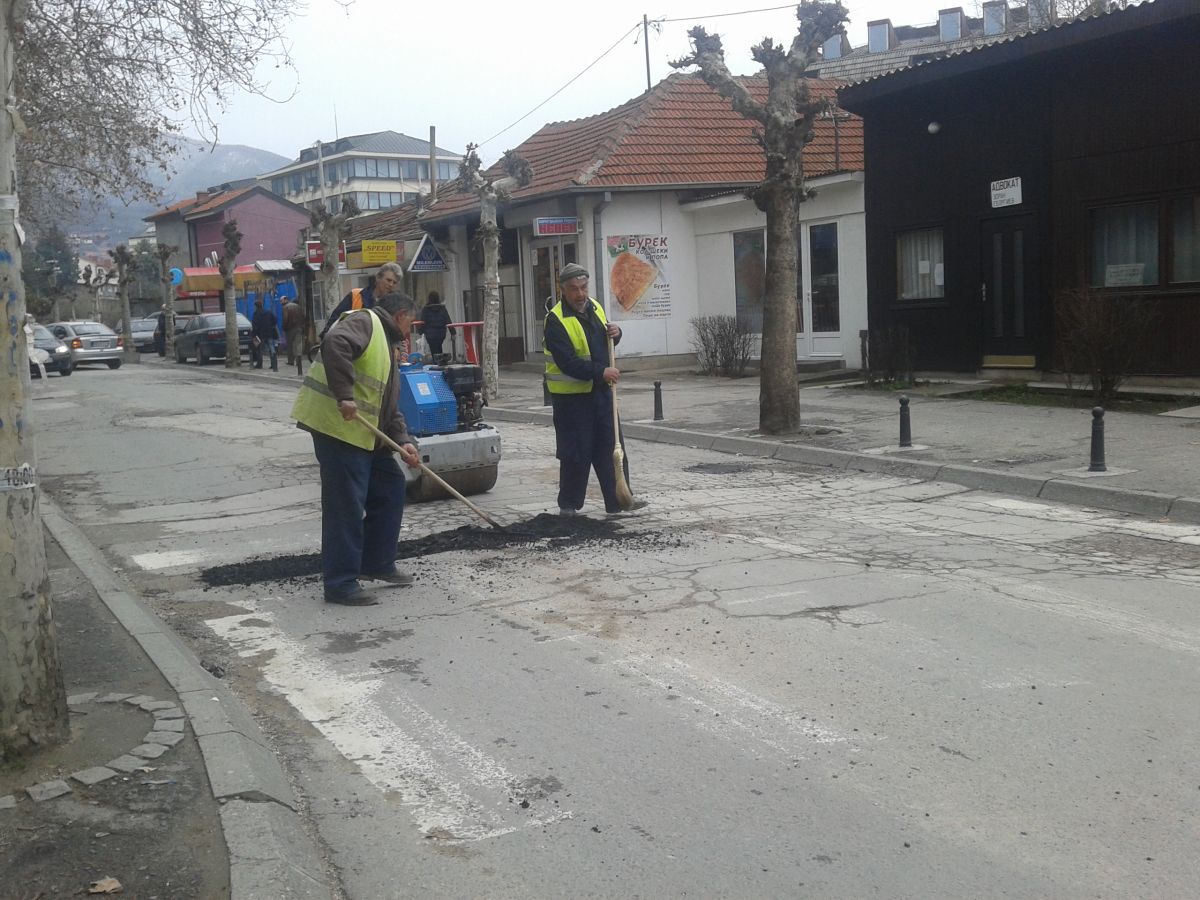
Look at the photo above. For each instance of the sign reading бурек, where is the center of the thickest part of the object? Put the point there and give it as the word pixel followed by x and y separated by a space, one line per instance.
pixel 1006 192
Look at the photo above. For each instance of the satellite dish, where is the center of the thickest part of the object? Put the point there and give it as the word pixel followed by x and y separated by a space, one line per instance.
pixel 176 277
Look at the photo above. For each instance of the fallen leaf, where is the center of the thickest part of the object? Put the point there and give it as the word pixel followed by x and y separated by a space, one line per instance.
pixel 105 886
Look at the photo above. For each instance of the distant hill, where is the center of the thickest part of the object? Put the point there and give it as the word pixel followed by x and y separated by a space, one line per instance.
pixel 197 165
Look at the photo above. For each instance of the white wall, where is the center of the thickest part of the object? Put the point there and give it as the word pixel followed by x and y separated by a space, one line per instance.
pixel 838 199
pixel 655 213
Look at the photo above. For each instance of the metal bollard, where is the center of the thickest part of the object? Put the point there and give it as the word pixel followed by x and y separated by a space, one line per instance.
pixel 1097 463
pixel 545 392
pixel 905 424
pixel 658 413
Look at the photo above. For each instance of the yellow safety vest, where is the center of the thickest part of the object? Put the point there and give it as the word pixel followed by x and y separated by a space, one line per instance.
pixel 316 407
pixel 558 381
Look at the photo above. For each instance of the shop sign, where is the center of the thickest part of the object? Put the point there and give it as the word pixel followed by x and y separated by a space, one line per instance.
pixel 553 226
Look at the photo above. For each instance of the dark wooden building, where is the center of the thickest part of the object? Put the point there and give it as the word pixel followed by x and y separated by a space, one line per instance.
pixel 1063 159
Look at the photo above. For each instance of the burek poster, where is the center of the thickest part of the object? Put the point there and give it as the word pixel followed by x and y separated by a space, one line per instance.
pixel 638 286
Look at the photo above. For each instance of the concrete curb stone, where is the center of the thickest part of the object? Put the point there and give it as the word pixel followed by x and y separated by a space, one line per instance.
pixel 279 859
pixel 1145 503
pixel 1185 509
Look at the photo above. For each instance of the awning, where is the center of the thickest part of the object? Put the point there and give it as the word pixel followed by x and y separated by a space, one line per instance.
pixel 208 278
pixel 273 266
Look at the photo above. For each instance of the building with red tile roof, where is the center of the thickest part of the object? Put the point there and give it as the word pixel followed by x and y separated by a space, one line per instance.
pixel 662 178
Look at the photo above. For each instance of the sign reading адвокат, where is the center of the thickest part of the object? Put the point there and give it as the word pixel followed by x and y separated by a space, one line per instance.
pixel 1006 192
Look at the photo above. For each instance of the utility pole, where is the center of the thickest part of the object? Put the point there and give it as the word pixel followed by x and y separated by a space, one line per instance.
pixel 646 42
pixel 33 703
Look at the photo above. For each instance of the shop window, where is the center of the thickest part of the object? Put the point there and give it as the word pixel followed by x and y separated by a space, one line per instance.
pixel 1185 239
pixel 1124 245
pixel 920 267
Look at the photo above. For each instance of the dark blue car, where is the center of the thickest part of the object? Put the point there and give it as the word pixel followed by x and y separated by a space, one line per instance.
pixel 204 338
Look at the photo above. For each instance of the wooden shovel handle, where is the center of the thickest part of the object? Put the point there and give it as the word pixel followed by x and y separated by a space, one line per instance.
pixel 432 474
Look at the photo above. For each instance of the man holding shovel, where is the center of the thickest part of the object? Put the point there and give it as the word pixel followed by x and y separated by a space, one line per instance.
pixel 362 487
pixel 580 376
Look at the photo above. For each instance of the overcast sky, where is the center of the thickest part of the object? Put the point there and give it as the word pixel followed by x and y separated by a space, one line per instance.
pixel 471 70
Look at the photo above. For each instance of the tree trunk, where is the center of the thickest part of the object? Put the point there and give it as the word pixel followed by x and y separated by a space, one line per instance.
pixel 233 351
pixel 779 398
pixel 33 703
pixel 168 302
pixel 491 299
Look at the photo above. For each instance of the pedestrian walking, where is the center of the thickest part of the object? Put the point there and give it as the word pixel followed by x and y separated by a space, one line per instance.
pixel 580 379
pixel 264 333
pixel 294 323
pixel 435 320
pixel 362 486
pixel 160 333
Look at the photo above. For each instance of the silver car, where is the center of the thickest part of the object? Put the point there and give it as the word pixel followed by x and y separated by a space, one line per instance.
pixel 90 342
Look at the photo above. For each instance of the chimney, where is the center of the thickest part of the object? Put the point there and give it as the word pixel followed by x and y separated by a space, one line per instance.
pixel 951 24
pixel 995 17
pixel 880 36
pixel 836 47
pixel 1041 13
pixel 202 196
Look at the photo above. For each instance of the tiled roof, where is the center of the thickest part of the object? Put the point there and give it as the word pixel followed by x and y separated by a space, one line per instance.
pixel 397 223
pixel 681 134
pixel 916 44
pixel 180 207
pixel 1019 45
pixel 215 202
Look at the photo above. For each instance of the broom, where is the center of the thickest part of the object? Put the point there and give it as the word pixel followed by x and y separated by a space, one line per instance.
pixel 624 494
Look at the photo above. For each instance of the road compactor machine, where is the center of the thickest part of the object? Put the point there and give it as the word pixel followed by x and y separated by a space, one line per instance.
pixel 443 406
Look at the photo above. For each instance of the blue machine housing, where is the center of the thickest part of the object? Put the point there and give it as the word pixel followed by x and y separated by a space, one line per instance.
pixel 426 401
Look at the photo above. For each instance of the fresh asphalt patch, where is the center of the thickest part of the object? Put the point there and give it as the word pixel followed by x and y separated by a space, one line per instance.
pixel 545 533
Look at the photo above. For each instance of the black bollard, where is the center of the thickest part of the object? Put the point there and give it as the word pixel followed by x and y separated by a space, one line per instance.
pixel 545 391
pixel 658 415
pixel 1097 463
pixel 905 424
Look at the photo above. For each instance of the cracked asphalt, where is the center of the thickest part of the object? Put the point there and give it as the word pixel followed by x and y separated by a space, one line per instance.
pixel 777 682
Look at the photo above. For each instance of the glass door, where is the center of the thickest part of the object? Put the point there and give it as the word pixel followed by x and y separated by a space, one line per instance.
pixel 546 259
pixel 821 288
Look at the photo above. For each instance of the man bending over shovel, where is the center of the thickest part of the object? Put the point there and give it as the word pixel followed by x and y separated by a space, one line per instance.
pixel 362 487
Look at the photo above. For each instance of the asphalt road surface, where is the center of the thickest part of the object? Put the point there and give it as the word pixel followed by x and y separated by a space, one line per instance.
pixel 772 682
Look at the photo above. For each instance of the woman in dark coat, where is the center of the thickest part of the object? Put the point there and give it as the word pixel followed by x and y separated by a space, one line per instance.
pixel 435 319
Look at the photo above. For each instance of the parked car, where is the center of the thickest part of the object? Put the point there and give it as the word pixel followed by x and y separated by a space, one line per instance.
pixel 60 354
pixel 204 338
pixel 143 332
pixel 90 342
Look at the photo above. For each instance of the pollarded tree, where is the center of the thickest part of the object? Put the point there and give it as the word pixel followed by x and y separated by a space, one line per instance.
pixel 226 264
pixel 126 265
pixel 491 191
pixel 331 229
pixel 786 120
pixel 163 253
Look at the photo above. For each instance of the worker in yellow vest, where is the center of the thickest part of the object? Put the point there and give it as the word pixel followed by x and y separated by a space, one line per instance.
pixel 580 378
pixel 362 486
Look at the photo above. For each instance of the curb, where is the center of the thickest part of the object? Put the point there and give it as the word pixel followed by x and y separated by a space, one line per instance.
pixel 1142 503
pixel 270 854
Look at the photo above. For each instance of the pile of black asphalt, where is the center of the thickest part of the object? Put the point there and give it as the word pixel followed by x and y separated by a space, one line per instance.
pixel 544 533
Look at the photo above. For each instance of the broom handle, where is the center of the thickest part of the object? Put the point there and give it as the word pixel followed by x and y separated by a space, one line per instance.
pixel 612 361
pixel 432 474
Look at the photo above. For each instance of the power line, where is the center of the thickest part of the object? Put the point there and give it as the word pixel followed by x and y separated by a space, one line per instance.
pixel 616 43
pixel 742 12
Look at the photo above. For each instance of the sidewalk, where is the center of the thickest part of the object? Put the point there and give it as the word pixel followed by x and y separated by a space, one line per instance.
pixel 166 784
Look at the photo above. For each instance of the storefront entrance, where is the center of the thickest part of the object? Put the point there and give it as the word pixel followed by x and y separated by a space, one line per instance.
pixel 546 258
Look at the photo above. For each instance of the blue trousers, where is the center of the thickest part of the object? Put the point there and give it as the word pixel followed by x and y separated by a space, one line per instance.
pixel 362 506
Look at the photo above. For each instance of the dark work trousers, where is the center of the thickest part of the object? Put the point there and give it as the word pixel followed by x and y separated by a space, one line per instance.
pixel 584 429
pixel 435 346
pixel 362 506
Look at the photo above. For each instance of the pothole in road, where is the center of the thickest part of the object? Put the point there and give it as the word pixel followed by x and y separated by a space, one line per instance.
pixel 544 533
pixel 720 468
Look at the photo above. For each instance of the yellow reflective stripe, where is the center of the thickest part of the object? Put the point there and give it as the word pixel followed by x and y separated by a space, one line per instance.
pixel 564 377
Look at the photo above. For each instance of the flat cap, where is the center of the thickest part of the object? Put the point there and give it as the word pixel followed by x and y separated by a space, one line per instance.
pixel 572 270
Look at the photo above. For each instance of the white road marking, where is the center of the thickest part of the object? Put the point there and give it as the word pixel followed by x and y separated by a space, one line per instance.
pixel 423 764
